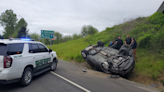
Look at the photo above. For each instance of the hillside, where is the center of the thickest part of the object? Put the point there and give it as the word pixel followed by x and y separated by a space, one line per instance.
pixel 149 33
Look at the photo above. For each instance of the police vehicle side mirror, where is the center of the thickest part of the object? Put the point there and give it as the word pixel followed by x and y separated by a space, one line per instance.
pixel 50 50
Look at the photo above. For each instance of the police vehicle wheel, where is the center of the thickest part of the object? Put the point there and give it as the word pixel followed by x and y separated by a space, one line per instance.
pixel 26 77
pixel 53 66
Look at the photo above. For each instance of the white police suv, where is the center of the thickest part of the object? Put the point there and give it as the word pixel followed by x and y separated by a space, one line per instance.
pixel 20 60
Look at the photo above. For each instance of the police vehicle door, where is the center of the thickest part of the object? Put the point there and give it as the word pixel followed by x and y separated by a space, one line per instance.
pixel 46 54
pixel 38 57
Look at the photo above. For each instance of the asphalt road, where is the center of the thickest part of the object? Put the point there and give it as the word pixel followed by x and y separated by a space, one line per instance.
pixel 69 77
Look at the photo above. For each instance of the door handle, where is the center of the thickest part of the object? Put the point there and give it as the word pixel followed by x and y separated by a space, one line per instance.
pixel 34 57
pixel 44 56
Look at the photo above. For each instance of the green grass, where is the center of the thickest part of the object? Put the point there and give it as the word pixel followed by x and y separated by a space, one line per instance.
pixel 149 64
pixel 70 50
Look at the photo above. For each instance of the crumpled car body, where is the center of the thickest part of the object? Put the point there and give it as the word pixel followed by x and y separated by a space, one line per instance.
pixel 108 59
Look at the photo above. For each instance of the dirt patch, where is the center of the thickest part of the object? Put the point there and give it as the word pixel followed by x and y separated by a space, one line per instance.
pixel 148 81
pixel 141 79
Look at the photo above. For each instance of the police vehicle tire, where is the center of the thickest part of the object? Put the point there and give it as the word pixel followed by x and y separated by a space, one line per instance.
pixel 26 77
pixel 53 66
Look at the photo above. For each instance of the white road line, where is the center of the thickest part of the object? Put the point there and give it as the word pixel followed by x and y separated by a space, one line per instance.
pixel 71 82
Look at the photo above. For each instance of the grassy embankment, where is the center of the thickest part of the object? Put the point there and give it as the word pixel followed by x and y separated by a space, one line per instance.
pixel 149 33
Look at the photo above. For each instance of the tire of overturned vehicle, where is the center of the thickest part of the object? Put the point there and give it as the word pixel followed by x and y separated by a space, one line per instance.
pixel 104 68
pixel 84 53
pixel 100 43
pixel 124 51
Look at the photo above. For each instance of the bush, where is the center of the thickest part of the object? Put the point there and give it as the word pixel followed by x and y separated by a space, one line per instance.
pixel 157 18
pixel 144 41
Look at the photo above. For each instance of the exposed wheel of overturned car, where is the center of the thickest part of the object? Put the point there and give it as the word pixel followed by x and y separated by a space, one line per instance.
pixel 105 67
pixel 124 51
pixel 84 53
pixel 100 43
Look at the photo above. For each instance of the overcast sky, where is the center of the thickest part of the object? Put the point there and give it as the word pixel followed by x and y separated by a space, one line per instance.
pixel 68 16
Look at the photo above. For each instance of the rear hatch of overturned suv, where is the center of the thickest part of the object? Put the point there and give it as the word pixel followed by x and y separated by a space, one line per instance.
pixel 3 48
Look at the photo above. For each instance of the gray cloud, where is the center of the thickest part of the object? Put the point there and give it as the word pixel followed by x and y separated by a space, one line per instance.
pixel 68 16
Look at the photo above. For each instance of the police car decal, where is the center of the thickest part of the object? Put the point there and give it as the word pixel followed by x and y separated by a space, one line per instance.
pixel 42 62
pixel 17 56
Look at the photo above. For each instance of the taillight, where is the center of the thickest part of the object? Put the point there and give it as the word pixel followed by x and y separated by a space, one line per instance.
pixel 7 62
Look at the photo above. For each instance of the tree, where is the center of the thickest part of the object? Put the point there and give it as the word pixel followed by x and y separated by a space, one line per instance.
pixel 21 28
pixel 66 38
pixel 21 23
pixel 84 31
pixel 22 33
pixel 8 20
pixel 58 37
pixel 76 36
pixel 88 30
pixel 35 36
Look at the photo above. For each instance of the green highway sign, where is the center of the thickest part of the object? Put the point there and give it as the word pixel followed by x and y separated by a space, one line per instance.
pixel 47 34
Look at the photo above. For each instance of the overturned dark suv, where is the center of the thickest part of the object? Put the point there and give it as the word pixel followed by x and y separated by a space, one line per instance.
pixel 109 59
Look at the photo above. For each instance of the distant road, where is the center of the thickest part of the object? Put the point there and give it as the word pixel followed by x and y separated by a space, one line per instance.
pixel 70 78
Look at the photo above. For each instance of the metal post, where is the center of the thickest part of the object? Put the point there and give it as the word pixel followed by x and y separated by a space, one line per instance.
pixel 50 42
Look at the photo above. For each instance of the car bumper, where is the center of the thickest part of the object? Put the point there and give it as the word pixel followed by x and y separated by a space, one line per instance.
pixel 8 75
pixel 9 81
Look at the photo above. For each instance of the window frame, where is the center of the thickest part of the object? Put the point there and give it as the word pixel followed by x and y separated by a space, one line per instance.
pixel 4 48
pixel 31 49
pixel 39 50
pixel 44 47
pixel 8 52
